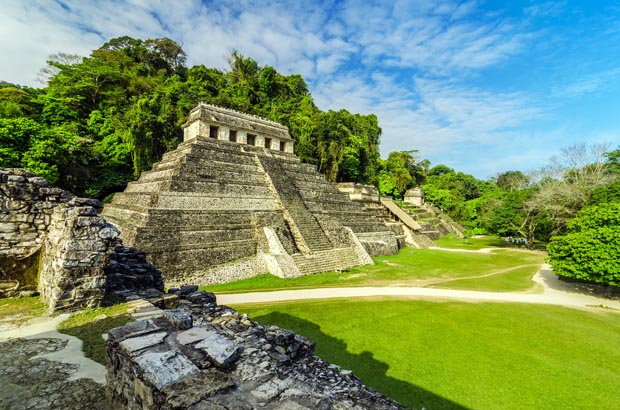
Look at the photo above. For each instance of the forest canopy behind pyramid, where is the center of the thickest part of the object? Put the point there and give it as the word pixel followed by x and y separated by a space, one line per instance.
pixel 103 119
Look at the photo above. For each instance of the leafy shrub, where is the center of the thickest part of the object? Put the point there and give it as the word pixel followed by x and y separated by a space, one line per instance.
pixel 591 249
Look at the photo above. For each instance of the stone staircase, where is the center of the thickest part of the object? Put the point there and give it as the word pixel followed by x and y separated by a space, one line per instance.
pixel 306 224
pixel 326 261
pixel 434 224
pixel 326 201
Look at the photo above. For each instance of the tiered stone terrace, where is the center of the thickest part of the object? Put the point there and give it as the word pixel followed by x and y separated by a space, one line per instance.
pixel 218 209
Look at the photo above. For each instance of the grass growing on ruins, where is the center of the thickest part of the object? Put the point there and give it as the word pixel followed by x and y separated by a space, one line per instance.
pixel 457 356
pixel 89 325
pixel 18 310
pixel 501 270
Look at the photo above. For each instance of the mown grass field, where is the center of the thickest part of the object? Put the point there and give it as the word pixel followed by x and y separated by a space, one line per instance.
pixel 455 355
pixel 501 270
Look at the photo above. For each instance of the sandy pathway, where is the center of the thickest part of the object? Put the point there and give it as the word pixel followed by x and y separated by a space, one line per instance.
pixel 554 293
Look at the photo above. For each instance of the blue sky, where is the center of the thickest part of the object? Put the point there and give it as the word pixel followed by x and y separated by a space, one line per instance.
pixel 483 87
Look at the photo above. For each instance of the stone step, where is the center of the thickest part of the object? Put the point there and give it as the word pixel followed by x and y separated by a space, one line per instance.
pixel 366 227
pixel 189 234
pixel 313 184
pixel 221 174
pixel 309 228
pixel 142 200
pixel 326 261
pixel 125 214
pixel 209 163
pixel 316 185
pixel 422 240
pixel 238 188
pixel 433 235
pixel 200 245
pixel 181 150
pixel 312 195
pixel 215 153
pixel 301 175
pixel 191 201
pixel 157 174
pixel 222 145
pixel 286 157
pixel 180 262
pixel 300 167
pixel 333 205
pixel 151 186
pixel 165 217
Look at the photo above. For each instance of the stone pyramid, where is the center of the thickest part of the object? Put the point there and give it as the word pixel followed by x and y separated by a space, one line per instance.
pixel 233 201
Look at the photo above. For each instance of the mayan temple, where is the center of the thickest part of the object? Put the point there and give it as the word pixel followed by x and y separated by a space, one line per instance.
pixel 233 201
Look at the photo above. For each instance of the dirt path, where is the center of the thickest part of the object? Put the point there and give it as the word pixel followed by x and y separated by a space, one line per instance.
pixel 554 293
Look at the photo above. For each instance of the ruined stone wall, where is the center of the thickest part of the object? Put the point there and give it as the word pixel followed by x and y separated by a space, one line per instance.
pixel 55 243
pixel 205 356
pixel 75 255
pixel 26 207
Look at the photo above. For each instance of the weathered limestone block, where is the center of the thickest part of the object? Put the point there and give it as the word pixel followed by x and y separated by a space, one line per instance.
pixel 225 361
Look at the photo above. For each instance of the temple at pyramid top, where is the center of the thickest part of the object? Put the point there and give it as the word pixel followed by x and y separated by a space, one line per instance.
pixel 224 124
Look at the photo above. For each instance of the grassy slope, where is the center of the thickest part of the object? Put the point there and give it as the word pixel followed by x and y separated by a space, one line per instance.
pixel 453 355
pixel 511 270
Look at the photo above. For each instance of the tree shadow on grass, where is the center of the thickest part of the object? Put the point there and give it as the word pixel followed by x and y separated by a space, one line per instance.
pixel 364 365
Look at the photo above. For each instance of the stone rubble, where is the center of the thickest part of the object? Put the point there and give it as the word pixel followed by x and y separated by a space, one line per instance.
pixel 205 356
pixel 31 383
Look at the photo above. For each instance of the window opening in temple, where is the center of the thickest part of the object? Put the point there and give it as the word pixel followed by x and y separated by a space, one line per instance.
pixel 282 146
pixel 251 139
pixel 267 142
pixel 213 132
pixel 232 137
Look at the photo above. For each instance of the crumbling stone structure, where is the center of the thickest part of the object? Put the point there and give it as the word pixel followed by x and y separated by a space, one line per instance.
pixel 415 196
pixel 205 356
pixel 56 244
pixel 233 201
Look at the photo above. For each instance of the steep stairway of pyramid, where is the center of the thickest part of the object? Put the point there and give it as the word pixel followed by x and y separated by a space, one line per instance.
pixel 309 228
pixel 324 198
pixel 326 261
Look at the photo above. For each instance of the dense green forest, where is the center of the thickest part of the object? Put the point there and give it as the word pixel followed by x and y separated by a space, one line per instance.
pixel 103 119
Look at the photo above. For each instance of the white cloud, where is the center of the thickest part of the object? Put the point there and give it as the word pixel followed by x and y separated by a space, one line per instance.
pixel 409 61
pixel 578 86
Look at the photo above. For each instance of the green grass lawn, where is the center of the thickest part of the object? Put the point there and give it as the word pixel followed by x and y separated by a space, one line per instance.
pixel 19 310
pixel 480 242
pixel 501 270
pixel 454 355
